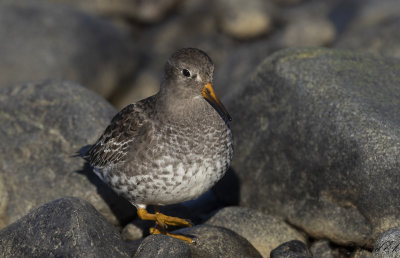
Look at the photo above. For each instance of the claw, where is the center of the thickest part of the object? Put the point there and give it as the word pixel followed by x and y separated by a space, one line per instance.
pixel 162 222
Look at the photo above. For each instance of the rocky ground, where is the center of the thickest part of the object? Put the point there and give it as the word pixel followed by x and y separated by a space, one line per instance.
pixel 313 88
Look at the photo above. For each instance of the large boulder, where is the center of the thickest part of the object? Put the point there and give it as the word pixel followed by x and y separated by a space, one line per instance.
pixel 41 41
pixel 67 227
pixel 43 124
pixel 317 142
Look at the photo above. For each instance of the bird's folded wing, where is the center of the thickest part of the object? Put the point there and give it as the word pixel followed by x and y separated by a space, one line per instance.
pixel 112 147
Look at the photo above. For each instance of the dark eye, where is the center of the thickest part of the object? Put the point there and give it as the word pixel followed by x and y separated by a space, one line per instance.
pixel 186 72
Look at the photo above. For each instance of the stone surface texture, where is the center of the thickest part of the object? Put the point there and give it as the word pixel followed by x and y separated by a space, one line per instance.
pixel 324 143
pixel 49 41
pixel 263 231
pixel 67 227
pixel 43 124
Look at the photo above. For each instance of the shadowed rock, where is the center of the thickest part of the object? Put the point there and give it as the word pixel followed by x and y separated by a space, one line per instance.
pixel 43 125
pixel 318 142
pixel 67 227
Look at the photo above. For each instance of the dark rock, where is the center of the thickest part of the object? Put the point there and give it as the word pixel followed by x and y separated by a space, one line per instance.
pixel 388 244
pixel 49 41
pixel 67 227
pixel 212 241
pixel 382 37
pixel 373 28
pixel 263 231
pixel 291 249
pixel 317 142
pixel 43 125
pixel 322 249
pixel 240 63
pixel 162 246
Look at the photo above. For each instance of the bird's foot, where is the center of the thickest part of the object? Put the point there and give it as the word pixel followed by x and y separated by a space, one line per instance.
pixel 162 219
pixel 156 231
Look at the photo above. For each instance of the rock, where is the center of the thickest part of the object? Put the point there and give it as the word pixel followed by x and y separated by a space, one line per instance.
pixel 291 249
pixel 211 241
pixel 67 227
pixel 43 124
pixel 388 244
pixel 373 28
pixel 263 231
pixel 131 232
pixel 48 41
pixel 361 253
pixel 239 64
pixel 321 249
pixel 288 2
pixel 3 203
pixel 318 140
pixel 309 31
pixel 380 38
pixel 162 246
pixel 244 20
pixel 145 85
pixel 149 11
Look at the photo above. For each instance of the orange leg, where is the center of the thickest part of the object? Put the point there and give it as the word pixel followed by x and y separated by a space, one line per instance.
pixel 162 222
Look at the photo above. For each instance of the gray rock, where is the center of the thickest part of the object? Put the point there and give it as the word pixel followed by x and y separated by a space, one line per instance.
pixel 388 244
pixel 373 28
pixel 322 249
pixel 244 20
pixel 381 38
pixel 309 31
pixel 288 2
pixel 263 231
pixel 162 246
pixel 48 41
pixel 211 241
pixel 67 227
pixel 240 62
pixel 291 249
pixel 42 125
pixel 149 11
pixel 318 140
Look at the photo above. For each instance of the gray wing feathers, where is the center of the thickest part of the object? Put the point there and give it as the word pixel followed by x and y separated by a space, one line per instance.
pixel 112 147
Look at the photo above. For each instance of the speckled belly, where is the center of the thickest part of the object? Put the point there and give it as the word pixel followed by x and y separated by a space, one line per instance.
pixel 185 170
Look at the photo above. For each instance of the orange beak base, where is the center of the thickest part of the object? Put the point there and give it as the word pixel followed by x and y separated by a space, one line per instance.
pixel 209 94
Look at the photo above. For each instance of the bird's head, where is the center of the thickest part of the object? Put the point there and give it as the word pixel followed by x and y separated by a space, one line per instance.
pixel 189 74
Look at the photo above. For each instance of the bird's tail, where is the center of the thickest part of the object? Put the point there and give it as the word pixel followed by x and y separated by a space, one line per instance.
pixel 82 152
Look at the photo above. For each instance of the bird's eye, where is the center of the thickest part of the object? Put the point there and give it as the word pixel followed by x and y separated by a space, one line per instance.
pixel 186 72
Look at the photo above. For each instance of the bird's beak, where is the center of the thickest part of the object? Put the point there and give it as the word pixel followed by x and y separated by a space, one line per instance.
pixel 209 94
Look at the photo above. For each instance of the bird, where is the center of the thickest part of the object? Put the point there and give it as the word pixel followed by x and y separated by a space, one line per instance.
pixel 170 147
